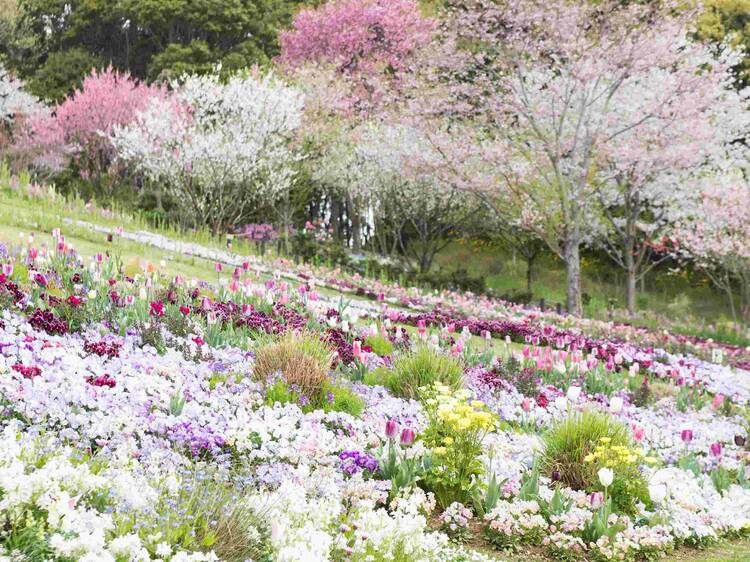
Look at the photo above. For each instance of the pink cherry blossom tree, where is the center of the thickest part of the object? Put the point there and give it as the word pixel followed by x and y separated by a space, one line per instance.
pixel 690 117
pixel 717 236
pixel 357 34
pixel 349 56
pixel 545 92
pixel 77 130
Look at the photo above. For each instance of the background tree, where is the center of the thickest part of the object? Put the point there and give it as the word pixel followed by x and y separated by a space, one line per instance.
pixel 76 132
pixel 543 83
pixel 148 38
pixel 368 44
pixel 689 112
pixel 717 237
pixel 219 148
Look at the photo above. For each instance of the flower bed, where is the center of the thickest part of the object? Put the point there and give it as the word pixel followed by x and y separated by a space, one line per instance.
pixel 136 426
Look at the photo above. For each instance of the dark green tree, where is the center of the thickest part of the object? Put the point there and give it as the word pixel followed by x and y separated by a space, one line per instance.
pixel 60 40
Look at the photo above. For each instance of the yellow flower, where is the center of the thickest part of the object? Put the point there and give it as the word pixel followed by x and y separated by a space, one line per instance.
pixel 440 450
pixel 448 440
pixel 605 440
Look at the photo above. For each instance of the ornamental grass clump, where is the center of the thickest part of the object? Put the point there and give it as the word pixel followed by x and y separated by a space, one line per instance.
pixel 578 447
pixel 301 359
pixel 423 367
pixel 570 440
pixel 295 369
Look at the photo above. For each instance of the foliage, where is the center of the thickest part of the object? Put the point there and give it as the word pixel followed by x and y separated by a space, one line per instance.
pixel 61 73
pixel 60 42
pixel 422 367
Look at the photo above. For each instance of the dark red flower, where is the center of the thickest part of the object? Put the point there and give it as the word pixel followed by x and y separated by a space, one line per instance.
pixel 157 309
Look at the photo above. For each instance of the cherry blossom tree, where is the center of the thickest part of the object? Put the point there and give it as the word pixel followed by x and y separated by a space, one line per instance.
pixel 14 99
pixel 425 210
pixel 547 87
pixel 357 34
pixel 78 129
pixel 641 179
pixel 15 107
pixel 350 56
pixel 217 146
pixel 717 236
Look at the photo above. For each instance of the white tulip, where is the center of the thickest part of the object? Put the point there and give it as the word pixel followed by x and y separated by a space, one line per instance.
pixel 574 392
pixel 615 404
pixel 606 476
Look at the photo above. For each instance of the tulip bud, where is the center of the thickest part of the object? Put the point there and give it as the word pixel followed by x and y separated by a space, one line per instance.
pixel 407 436
pixel 391 429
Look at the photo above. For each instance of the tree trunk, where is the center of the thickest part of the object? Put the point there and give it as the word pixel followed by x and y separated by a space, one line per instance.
pixel 631 282
pixel 356 230
pixel 530 273
pixel 573 270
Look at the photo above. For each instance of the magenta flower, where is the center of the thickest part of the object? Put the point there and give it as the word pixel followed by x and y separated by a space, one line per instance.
pixel 156 309
pixel 407 436
pixel 391 429
pixel 715 449
pixel 686 435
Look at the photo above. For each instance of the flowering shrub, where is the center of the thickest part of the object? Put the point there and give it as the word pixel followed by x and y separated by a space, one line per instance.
pixel 455 433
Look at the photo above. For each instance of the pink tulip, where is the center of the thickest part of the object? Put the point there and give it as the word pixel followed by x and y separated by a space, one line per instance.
pixel 391 429
pixel 596 499
pixel 717 401
pixel 407 436
pixel 686 435
pixel 715 449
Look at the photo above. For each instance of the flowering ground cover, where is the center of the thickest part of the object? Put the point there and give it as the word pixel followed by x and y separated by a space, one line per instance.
pixel 147 416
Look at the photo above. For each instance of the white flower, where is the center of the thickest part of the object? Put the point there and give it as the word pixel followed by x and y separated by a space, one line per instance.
pixel 657 492
pixel 606 476
pixel 615 404
pixel 574 392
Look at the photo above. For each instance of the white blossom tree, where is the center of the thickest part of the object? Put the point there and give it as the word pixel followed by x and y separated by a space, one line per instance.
pixel 715 235
pixel 218 147
pixel 14 100
pixel 643 179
